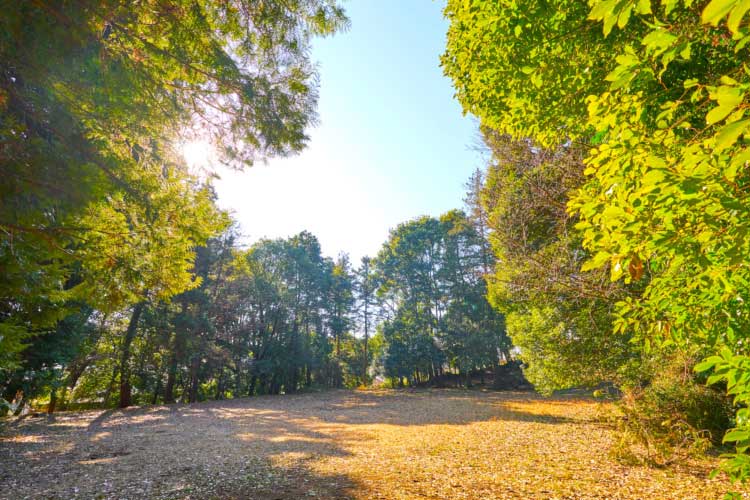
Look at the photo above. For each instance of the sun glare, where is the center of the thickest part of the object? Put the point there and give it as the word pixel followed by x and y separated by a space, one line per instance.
pixel 199 155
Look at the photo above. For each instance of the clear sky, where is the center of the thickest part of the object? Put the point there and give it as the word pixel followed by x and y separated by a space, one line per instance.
pixel 391 144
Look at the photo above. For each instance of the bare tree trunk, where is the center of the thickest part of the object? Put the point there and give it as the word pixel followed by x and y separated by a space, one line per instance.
pixel 171 376
pixel 220 385
pixel 111 385
pixel 194 365
pixel 125 389
pixel 364 365
pixel 52 401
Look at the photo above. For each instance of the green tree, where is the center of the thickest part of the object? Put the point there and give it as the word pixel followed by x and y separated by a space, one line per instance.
pixel 660 89
pixel 93 99
pixel 431 278
pixel 365 308
pixel 559 317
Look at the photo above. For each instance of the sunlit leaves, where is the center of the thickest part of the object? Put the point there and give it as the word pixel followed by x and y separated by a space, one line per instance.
pixel 95 201
pixel 727 98
pixel 665 195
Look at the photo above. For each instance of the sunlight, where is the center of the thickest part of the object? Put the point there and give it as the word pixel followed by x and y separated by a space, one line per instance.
pixel 199 155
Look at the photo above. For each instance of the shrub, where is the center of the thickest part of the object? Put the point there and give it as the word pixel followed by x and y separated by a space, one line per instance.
pixel 673 416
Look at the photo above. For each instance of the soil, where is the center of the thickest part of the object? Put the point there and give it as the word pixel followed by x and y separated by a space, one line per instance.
pixel 424 444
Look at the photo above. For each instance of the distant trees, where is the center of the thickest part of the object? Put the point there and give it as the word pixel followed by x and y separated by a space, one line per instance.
pixel 365 308
pixel 432 284
pixel 279 317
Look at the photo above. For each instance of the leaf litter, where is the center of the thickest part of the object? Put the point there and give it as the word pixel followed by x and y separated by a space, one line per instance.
pixel 379 444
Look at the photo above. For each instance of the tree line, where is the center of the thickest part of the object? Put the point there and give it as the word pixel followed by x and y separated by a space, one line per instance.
pixel 122 282
pixel 618 195
pixel 279 317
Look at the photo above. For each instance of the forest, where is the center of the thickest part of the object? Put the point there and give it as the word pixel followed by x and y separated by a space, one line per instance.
pixel 602 248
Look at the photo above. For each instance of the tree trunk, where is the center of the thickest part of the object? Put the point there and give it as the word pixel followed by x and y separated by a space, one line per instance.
pixel 157 389
pixel 20 402
pixel 194 365
pixel 52 401
pixel 220 386
pixel 171 376
pixel 506 355
pixel 111 385
pixel 125 389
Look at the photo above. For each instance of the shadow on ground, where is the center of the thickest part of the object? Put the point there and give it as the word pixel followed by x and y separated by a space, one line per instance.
pixel 275 447
pixel 245 448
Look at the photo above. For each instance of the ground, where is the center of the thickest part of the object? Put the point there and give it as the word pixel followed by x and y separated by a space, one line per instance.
pixel 427 444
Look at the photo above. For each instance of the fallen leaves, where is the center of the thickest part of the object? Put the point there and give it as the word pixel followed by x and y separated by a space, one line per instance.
pixel 433 444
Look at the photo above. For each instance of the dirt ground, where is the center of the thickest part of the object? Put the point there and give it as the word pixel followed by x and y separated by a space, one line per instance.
pixel 428 444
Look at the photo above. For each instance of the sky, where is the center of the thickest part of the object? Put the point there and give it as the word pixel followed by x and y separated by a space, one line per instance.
pixel 391 143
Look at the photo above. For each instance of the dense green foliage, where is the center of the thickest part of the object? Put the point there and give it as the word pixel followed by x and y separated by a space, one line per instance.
pixel 559 317
pixel 263 321
pixel 659 89
pixel 279 317
pixel 97 206
pixel 433 290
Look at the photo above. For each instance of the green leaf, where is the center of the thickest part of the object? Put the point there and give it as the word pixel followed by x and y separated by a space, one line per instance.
pixel 729 134
pixel 658 41
pixel 706 364
pixel 716 10
pixel 736 435
pixel 597 261
pixel 728 99
pixel 735 17
pixel 643 7
pixel 739 161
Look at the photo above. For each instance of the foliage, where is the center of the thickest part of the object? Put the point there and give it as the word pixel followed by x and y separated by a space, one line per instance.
pixel 433 290
pixel 273 318
pixel 674 416
pixel 660 88
pixel 97 206
pixel 559 317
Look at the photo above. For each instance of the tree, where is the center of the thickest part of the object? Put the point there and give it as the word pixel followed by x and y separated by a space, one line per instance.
pixel 432 272
pixel 660 90
pixel 340 301
pixel 94 97
pixel 559 317
pixel 364 287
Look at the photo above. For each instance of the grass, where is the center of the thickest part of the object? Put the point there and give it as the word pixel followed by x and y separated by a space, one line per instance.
pixel 431 444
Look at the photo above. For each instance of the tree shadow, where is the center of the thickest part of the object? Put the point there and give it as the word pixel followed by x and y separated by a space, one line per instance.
pixel 175 451
pixel 270 447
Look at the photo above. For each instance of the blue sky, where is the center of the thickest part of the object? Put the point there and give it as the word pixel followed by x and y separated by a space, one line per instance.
pixel 391 144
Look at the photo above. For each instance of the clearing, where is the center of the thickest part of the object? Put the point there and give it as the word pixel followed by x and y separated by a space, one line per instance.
pixel 427 444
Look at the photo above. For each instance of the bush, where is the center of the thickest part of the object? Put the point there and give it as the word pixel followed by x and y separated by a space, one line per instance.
pixel 672 417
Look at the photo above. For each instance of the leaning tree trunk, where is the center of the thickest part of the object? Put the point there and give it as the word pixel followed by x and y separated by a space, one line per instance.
pixel 125 389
